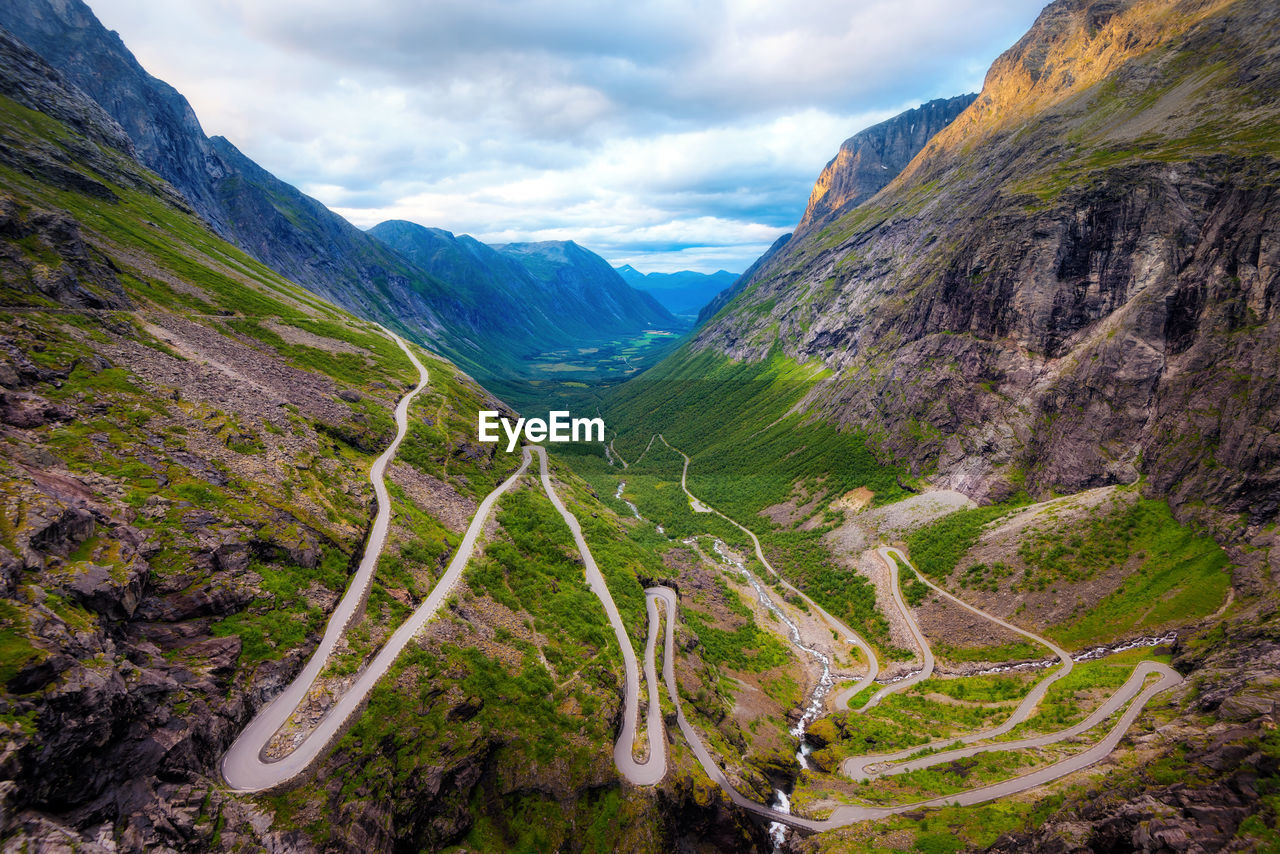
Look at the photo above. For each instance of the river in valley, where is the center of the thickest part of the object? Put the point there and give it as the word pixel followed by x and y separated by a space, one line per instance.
pixel 781 798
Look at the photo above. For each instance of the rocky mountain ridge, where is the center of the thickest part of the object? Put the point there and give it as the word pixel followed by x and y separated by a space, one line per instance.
pixel 866 163
pixel 473 319
pixel 1072 284
pixel 871 158
pixel 555 293
pixel 572 274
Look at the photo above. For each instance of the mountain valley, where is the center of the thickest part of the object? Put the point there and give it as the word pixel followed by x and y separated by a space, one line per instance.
pixel 483 321
pixel 949 525
pixel 684 293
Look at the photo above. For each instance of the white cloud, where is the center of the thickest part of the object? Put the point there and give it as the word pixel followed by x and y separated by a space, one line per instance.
pixel 652 132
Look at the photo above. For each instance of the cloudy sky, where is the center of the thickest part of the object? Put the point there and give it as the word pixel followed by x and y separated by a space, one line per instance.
pixel 674 134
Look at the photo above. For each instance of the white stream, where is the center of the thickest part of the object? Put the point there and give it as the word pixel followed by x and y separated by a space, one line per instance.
pixel 892 679
pixel 825 681
pixel 622 484
pixel 1088 655
pixel 777 830
pixel 782 802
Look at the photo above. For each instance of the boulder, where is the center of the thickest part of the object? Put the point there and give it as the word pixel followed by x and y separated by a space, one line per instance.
pixel 232 557
pixel 28 411
pixel 287 542
pixel 218 597
pixel 217 655
pixel 10 572
pixel 39 673
pixel 113 592
pixel 61 534
pixel 466 709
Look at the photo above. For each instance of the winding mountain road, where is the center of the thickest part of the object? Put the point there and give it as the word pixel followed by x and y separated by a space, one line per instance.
pixel 844 815
pixel 858 767
pixel 926 652
pixel 850 636
pixel 245 767
pixel 640 773
pixel 1132 697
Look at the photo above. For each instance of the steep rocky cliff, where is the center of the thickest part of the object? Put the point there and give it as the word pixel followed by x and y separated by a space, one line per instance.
pixel 870 159
pixel 158 120
pixel 1074 283
pixel 865 164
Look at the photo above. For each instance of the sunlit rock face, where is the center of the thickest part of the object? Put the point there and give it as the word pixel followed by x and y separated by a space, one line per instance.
pixel 1074 282
pixel 870 159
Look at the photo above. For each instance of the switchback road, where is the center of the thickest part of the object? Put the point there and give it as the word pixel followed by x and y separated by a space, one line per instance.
pixel 245 767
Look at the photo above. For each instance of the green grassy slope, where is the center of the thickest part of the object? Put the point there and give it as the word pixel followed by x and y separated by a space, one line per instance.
pixel 231 417
pixel 1131 567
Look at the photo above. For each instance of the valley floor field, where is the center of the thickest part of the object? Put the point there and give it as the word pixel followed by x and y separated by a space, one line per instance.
pixel 605 359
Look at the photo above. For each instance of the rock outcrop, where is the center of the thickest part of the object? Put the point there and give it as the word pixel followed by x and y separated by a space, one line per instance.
pixel 116 685
pixel 29 80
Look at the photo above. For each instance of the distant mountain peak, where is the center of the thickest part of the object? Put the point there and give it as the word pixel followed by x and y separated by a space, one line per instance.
pixel 540 295
pixel 683 293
